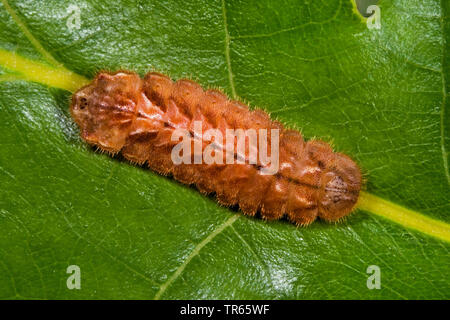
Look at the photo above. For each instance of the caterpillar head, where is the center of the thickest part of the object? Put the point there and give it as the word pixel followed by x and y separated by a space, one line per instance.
pixel 340 186
pixel 340 181
pixel 105 109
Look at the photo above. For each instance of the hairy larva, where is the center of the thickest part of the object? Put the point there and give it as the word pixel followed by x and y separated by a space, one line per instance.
pixel 120 112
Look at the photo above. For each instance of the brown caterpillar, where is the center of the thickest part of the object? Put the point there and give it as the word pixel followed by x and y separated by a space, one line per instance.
pixel 120 112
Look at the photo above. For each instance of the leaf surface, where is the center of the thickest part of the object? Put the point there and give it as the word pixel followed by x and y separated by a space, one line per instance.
pixel 380 95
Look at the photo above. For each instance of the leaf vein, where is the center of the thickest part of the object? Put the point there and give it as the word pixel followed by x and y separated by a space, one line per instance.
pixel 227 50
pixel 26 31
pixel 194 253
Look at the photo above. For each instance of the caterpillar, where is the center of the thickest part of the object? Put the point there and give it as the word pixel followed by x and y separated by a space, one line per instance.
pixel 122 112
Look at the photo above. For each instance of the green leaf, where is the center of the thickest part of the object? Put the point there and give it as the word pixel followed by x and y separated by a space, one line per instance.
pixel 381 96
